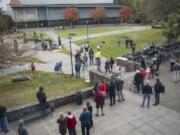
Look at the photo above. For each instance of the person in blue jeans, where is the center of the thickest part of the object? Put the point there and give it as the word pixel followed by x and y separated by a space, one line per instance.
pixel 147 91
pixel 3 119
pixel 85 119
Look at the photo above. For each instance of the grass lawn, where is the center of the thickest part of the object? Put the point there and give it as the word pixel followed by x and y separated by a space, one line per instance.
pixel 65 51
pixel 13 94
pixel 83 31
pixel 111 48
pixel 29 59
pixel 29 36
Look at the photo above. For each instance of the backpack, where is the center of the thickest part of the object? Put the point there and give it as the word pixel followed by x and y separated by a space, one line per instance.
pixel 162 88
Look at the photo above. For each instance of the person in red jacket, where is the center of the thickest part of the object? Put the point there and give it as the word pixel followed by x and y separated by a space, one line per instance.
pixel 71 123
pixel 103 88
pixel 151 73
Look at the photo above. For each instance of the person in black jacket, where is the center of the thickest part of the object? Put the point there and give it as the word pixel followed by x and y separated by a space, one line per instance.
pixel 138 80
pixel 157 91
pixel 22 129
pixel 90 109
pixel 147 91
pixel 112 93
pixel 41 96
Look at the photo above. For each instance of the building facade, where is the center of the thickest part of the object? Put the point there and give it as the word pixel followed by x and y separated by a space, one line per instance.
pixel 36 13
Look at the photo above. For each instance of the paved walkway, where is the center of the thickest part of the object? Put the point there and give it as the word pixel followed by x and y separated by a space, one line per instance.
pixel 125 118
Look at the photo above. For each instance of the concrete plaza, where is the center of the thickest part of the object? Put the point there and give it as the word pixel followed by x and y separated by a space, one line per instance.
pixel 126 118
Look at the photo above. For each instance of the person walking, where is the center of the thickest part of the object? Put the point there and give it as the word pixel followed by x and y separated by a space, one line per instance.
pixel 90 109
pixel 41 96
pixel 71 123
pixel 138 80
pixel 22 130
pixel 143 75
pixel 119 88
pixel 111 63
pixel 99 99
pixel 3 119
pixel 62 124
pixel 91 57
pixel 85 118
pixel 147 91
pixel 112 93
pixel 158 88
pixel 98 64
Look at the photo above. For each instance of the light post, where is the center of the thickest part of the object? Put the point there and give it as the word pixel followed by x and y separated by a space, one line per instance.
pixel 70 41
pixel 87 29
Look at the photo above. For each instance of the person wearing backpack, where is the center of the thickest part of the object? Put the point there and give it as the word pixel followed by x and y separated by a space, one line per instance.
pixel 158 88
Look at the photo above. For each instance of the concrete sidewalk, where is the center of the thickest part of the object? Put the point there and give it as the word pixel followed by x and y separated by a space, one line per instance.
pixel 126 118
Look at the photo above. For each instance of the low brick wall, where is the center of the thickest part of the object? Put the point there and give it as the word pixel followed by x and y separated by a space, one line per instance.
pixel 129 65
pixel 95 76
pixel 16 113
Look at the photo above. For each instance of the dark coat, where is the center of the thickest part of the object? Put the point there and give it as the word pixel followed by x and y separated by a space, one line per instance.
pixel 157 87
pixel 3 112
pixel 147 89
pixel 119 84
pixel 111 90
pixel 85 118
pixel 137 78
pixel 22 130
pixel 62 126
pixel 41 97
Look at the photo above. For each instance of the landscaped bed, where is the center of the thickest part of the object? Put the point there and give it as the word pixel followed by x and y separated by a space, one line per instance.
pixel 19 93
pixel 111 48
pixel 83 31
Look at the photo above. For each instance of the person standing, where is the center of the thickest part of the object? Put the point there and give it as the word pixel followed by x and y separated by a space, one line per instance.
pixel 103 88
pixel 85 118
pixel 85 59
pixel 157 90
pixel 147 91
pixel 99 99
pixel 22 129
pixel 91 57
pixel 90 109
pixel 176 71
pixel 143 75
pixel 71 123
pixel 78 69
pixel 119 88
pixel 151 72
pixel 138 80
pixel 57 69
pixel 112 93
pixel 98 64
pixel 3 119
pixel 33 68
pixel 127 42
pixel 172 62
pixel 107 66
pixel 111 63
pixel 41 96
pixel 62 124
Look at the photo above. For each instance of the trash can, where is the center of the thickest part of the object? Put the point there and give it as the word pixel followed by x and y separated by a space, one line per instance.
pixel 79 98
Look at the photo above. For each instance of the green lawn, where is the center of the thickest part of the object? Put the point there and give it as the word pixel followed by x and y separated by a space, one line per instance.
pixel 30 36
pixel 111 47
pixel 13 94
pixel 29 59
pixel 83 31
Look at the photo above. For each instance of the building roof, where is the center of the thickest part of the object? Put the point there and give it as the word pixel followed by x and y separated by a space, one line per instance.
pixel 55 2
